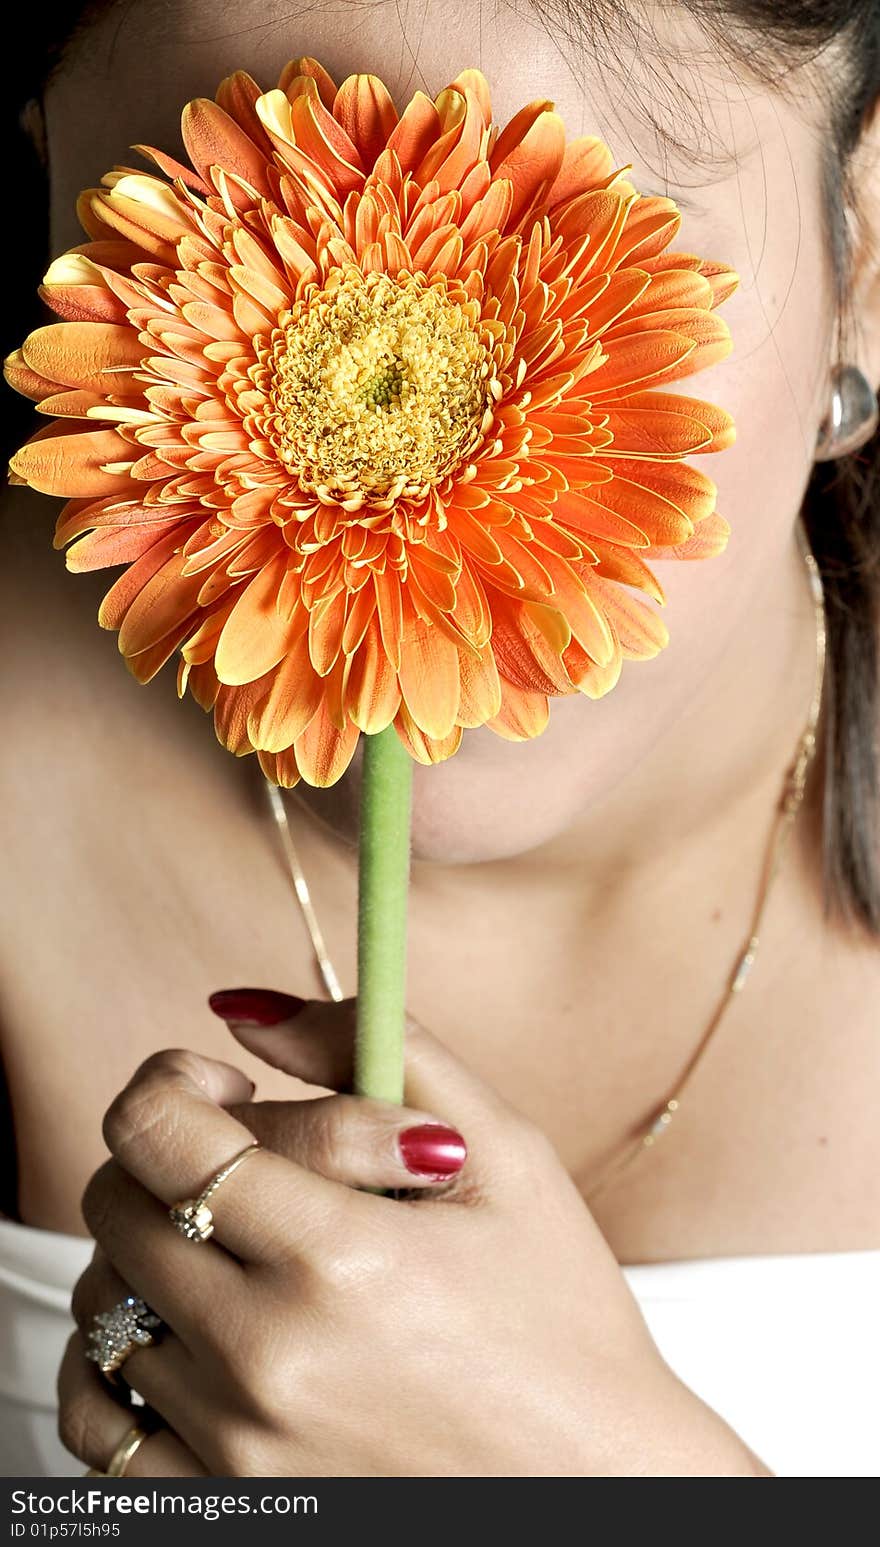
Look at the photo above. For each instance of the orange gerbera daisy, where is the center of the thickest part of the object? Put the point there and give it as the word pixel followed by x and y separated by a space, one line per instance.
pixel 368 406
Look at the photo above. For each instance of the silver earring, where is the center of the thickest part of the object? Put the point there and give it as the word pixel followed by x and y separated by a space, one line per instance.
pixel 853 417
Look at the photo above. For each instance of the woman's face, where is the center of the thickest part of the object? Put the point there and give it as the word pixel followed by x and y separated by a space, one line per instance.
pixel 744 165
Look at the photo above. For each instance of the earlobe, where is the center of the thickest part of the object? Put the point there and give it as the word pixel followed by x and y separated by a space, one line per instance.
pixel 33 123
pixel 853 414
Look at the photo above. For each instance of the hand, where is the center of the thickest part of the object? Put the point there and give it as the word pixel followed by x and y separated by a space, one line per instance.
pixel 478 1326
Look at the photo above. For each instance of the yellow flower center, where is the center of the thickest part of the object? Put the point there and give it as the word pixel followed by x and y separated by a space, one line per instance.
pixel 379 387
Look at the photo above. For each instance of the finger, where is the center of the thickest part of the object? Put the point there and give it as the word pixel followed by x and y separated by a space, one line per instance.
pixel 162 1371
pixel 121 1265
pixel 92 1421
pixel 150 1256
pixel 313 1040
pixel 361 1142
pixel 168 1131
pixel 165 1373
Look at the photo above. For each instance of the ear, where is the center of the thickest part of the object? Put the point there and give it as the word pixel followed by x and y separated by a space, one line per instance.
pixel 865 269
pixel 33 123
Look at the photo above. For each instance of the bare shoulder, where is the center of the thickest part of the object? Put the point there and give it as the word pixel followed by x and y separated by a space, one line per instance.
pixel 100 777
pixel 63 701
pixel 78 725
pixel 126 836
pixel 53 650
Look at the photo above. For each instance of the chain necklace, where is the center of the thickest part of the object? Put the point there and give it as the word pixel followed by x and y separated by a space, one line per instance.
pixel 646 1135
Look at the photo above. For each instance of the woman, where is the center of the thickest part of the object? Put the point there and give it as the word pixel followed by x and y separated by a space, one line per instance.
pixel 577 901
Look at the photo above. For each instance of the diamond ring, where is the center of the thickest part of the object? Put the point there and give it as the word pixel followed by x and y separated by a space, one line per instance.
pixel 192 1216
pixel 117 1333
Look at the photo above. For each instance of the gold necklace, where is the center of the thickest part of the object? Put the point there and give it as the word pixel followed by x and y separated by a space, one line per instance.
pixel 646 1136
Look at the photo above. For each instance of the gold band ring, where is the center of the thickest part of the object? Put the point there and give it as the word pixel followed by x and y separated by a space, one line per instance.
pixel 192 1216
pixel 131 1442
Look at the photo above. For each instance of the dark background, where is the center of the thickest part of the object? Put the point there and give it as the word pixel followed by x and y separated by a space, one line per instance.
pixel 31 48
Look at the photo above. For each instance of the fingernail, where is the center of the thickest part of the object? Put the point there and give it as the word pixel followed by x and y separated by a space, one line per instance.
pixel 255 1006
pixel 432 1150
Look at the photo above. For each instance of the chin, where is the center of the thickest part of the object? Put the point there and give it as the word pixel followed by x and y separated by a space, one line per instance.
pixel 493 800
pixel 486 803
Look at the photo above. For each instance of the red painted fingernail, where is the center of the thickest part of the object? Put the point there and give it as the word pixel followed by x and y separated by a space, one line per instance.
pixel 432 1150
pixel 255 1006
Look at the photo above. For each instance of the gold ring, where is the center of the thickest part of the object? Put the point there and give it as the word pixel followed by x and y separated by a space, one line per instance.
pixel 131 1442
pixel 192 1216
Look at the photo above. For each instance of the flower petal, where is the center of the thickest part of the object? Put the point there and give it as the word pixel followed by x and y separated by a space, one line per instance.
pixel 22 379
pixel 644 510
pixel 523 714
pixel 709 539
pixel 294 75
pixel 80 354
pixel 317 134
pixel 532 163
pixel 429 676
pixel 586 164
pixel 326 624
pixel 123 593
pixel 232 709
pixel 677 483
pixel 213 139
pixel 416 131
pixel 255 636
pixel 371 688
pixel 584 514
pixel 651 224
pixel 574 597
pixel 75 464
pixel 635 359
pixel 147 663
pixel 364 108
pixel 282 769
pixel 425 749
pixel 627 568
pixel 238 95
pixel 718 423
pixel 293 699
pixel 165 603
pixel 390 606
pixel 323 752
pixel 111 545
pixel 642 633
pixel 646 431
pixel 475 82
pixel 590 679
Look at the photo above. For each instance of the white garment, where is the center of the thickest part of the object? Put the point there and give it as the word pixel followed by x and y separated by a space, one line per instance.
pixel 786 1348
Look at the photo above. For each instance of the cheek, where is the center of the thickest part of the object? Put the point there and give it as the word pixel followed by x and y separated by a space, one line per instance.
pixel 775 384
pixel 495 798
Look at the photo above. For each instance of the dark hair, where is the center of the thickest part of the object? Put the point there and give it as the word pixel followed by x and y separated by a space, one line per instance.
pixel 842 506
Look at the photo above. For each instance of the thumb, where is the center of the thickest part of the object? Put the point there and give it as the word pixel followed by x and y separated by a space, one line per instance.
pixel 314 1039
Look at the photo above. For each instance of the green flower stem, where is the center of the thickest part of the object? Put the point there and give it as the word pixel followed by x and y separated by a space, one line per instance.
pixel 383 890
